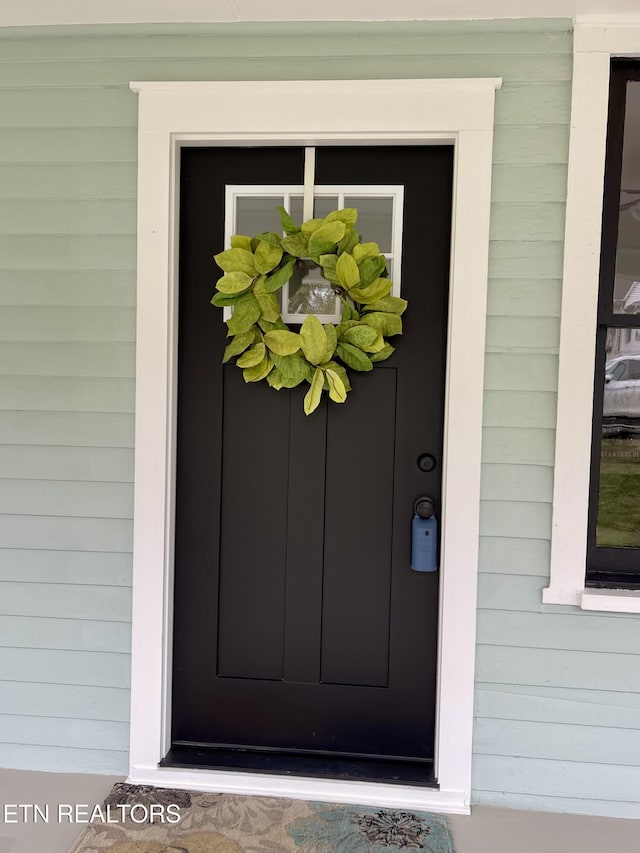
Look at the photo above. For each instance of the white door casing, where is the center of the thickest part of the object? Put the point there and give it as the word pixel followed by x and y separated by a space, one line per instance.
pixel 457 112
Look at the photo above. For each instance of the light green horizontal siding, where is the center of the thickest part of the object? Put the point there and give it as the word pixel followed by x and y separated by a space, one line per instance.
pixel 52 632
pixel 79 429
pixel 81 500
pixel 66 600
pixel 71 702
pixel 67 462
pixel 55 759
pixel 80 567
pixel 68 288
pixel 554 686
pixel 68 359
pixel 47 731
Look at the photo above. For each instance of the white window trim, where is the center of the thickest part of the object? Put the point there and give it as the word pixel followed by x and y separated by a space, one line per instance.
pixel 595 42
pixel 458 112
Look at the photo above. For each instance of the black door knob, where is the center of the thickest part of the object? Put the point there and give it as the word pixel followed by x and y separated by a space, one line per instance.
pixel 424 507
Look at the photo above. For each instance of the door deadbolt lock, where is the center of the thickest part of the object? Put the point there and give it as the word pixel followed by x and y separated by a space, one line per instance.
pixel 424 536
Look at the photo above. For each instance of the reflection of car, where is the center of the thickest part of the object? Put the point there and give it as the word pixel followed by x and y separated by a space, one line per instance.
pixel 622 395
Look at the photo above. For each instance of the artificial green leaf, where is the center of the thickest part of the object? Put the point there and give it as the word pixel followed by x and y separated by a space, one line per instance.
pixel 259 371
pixel 269 306
pixel 337 391
pixel 360 336
pixel 328 264
pixel 275 379
pixel 332 341
pixel 349 241
pixel 375 291
pixel 365 250
pixel 239 241
pixel 293 369
pixel 341 328
pixel 272 326
pixel 296 245
pixel 353 357
pixel 387 324
pixel 311 225
pixel 280 276
pixel 288 225
pixel 371 269
pixel 384 353
pixel 347 270
pixel 236 260
pixel 237 345
pixel 221 300
pixel 270 237
pixel 252 356
pixel 234 282
pixel 245 313
pixel 348 215
pixel 267 256
pixel 325 237
pixel 340 370
pixel 314 339
pixel 390 305
pixel 312 397
pixel 348 311
pixel 283 343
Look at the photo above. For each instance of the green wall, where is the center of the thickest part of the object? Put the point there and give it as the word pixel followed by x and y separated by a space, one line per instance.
pixel 557 691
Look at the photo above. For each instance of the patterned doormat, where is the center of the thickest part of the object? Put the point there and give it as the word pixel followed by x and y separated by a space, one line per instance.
pixel 142 819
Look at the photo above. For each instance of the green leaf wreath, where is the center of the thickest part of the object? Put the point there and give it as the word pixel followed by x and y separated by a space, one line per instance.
pixel 255 268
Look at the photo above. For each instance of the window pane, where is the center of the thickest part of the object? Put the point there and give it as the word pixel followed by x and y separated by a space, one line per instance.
pixel 618 522
pixel 375 219
pixel 255 214
pixel 626 295
pixel 309 291
pixel 321 207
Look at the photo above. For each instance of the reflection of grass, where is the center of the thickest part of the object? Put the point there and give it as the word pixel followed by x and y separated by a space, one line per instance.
pixel 619 501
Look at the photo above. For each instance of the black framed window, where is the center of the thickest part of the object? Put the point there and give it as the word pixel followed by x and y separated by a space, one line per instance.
pixel 613 548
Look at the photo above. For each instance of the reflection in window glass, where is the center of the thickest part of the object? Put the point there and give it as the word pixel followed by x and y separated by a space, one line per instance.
pixel 618 522
pixel 626 292
pixel 375 219
pixel 309 291
pixel 255 214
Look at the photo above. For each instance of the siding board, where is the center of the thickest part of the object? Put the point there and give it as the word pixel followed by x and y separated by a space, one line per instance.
pixel 65 567
pixel 571 778
pixel 66 393
pixel 82 429
pixel 56 462
pixel 70 499
pixel 37 358
pixel 530 409
pixel 68 288
pixel 53 666
pixel 66 601
pixel 49 731
pixel 52 758
pixel 61 700
pixel 66 534
pixel 557 741
pixel 574 632
pixel 82 635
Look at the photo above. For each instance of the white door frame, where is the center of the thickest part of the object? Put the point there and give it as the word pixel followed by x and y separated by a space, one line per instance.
pixel 389 112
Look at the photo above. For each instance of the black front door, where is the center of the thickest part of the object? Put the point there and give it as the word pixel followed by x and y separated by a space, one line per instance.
pixel 299 625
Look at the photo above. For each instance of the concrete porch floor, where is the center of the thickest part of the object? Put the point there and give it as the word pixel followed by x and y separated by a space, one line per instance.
pixel 487 830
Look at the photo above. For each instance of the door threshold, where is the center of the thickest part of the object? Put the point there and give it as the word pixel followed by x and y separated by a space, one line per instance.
pixel 339 768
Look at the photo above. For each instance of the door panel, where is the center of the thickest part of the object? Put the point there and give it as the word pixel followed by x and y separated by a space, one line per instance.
pixel 298 623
